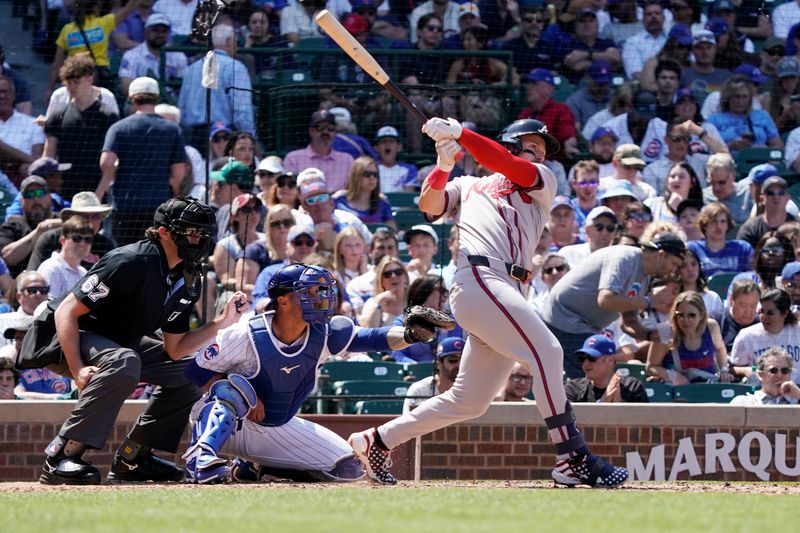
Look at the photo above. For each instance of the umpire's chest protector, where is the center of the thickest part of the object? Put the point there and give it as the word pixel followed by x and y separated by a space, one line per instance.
pixel 283 380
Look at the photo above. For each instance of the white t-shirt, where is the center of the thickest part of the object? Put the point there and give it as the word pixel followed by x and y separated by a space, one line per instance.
pixel 61 276
pixel 575 253
pixel 752 341
pixel 419 388
pixel 21 133
pixel 60 98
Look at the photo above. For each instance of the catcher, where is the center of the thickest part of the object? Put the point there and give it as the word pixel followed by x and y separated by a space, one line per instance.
pixel 258 374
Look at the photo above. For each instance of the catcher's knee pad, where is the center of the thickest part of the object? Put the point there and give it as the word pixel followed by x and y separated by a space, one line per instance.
pixel 228 401
pixel 347 469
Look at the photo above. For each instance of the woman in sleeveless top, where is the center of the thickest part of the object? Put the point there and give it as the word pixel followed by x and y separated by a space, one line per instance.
pixel 696 352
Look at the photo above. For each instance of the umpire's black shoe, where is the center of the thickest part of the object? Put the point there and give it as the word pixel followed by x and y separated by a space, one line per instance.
pixel 146 467
pixel 68 471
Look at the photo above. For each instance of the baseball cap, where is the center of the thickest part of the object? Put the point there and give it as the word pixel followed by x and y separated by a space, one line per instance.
pixel 603 132
pixel 310 174
pixel 788 67
pixel 722 5
pixel 22 323
pixel 560 200
pixel 451 345
pixel 619 188
pixel 789 271
pixel 773 41
pixel 341 115
pixel 718 26
pixel 32 180
pixel 363 3
pixel 235 173
pixel 752 72
pixel 600 71
pixel 645 103
pixel 685 92
pixel 668 242
pixel 84 203
pixel 421 229
pixel 47 165
pixel 597 346
pixel 629 155
pixel 703 36
pixel 242 200
pixel 541 74
pixel 157 19
pixel 586 11
pixel 218 127
pixel 143 85
pixel 469 9
pixel 759 173
pixel 313 188
pixel 297 230
pixel 272 164
pixel 682 33
pixel 774 180
pixel 387 132
pixel 323 115
pixel 687 204
pixel 600 211
pixel 355 24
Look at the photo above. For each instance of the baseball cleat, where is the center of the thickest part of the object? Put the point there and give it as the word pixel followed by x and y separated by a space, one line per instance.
pixel 588 469
pixel 375 460
pixel 206 468
pixel 146 467
pixel 243 471
pixel 68 471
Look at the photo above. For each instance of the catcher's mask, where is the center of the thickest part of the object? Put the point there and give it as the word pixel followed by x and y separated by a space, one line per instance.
pixel 314 287
pixel 188 220
pixel 510 136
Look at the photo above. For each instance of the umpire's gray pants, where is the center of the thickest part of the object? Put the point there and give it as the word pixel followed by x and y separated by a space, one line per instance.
pixel 120 370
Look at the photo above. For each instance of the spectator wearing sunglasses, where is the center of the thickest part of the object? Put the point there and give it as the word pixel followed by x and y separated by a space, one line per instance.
pixel 601 228
pixel 778 327
pixel 18 235
pixel 602 384
pixel 52 172
pixel 230 182
pixel 319 211
pixel 554 267
pixel 384 242
pixel 389 300
pixel 276 228
pixel 790 282
pixel 628 163
pixel 363 197
pixel 585 182
pixel 448 12
pixel 637 218
pixel 775 196
pixel 300 243
pixel 87 208
pixel 32 288
pixel 319 153
pixel 773 369
pixel 63 269
pixel 518 385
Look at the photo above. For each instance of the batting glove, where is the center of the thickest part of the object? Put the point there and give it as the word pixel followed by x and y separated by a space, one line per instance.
pixel 439 128
pixel 447 150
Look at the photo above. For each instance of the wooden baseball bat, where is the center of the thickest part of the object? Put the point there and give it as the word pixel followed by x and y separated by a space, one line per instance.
pixel 364 59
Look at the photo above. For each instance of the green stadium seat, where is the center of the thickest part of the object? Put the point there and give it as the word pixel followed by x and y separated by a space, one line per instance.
pixel 355 390
pixel 733 232
pixel 658 392
pixel 719 282
pixel 379 407
pixel 710 392
pixel 405 218
pixel 794 190
pixel 418 371
pixel 749 157
pixel 632 370
pixel 399 200
pixel 336 371
pixel 563 88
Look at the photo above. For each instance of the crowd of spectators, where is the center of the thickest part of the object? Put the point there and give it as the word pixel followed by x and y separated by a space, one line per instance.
pixel 654 214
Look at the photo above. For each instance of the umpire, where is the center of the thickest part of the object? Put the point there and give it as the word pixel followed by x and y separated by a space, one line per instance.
pixel 105 338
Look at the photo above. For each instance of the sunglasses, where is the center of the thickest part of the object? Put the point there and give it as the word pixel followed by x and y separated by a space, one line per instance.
pixel 641 217
pixel 773 52
pixel 779 192
pixel 35 193
pixel 287 223
pixel 246 210
pixel 611 228
pixel 397 272
pixel 434 28
pixel 552 270
pixel 286 182
pixel 583 358
pixel 366 11
pixel 774 370
pixel 587 184
pixel 303 242
pixel 94 217
pixel 80 238
pixel 520 378
pixel 220 138
pixel 324 129
pixel 318 199
pixel 36 290
pixel 690 316
pixel 369 174
pixel 680 138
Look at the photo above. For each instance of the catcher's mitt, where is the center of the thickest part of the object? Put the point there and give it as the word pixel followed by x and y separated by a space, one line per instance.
pixel 421 323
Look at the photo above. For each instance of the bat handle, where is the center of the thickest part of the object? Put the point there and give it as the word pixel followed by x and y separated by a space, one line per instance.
pixel 398 93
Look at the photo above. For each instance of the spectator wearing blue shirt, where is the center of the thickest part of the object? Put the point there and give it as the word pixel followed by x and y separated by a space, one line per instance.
pixel 362 196
pixel 715 253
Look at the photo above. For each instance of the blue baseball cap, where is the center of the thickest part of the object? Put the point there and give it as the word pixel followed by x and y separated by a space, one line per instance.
pixel 682 33
pixel 450 346
pixel 603 132
pixel 619 188
pixel 717 26
pixel 541 74
pixel 600 71
pixel 597 346
pixel 790 270
pixel 752 72
pixel 759 173
pixel 722 5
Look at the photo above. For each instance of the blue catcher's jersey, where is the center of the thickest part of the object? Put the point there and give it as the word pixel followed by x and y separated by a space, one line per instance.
pixel 284 380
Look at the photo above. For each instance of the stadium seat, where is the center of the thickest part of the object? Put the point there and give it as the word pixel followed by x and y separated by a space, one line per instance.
pixel 563 88
pixel 719 283
pixel 337 371
pixel 400 200
pixel 379 407
pixel 658 392
pixel 794 190
pixel 418 371
pixel 353 391
pixel 405 218
pixel 747 158
pixel 632 370
pixel 710 392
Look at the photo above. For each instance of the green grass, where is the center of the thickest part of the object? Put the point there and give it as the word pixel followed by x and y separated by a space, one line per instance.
pixel 386 510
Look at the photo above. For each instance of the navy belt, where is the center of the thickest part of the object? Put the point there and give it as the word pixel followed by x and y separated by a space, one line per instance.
pixel 517 272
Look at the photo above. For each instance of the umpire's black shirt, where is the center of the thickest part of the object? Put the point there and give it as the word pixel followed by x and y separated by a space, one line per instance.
pixel 131 292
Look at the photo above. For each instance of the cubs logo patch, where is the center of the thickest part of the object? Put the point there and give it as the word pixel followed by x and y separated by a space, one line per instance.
pixel 59 386
pixel 458 345
pixel 211 352
pixel 652 149
pixel 591 341
pixel 634 290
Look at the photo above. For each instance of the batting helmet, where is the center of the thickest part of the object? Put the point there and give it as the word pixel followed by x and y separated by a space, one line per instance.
pixel 298 278
pixel 187 218
pixel 509 137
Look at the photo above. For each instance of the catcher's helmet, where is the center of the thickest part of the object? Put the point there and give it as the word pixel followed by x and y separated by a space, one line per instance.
pixel 509 137
pixel 186 217
pixel 298 278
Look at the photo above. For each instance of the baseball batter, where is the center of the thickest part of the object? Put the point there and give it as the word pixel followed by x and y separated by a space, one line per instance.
pixel 268 367
pixel 500 218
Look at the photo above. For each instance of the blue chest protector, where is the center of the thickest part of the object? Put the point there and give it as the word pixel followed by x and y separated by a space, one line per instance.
pixel 284 381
